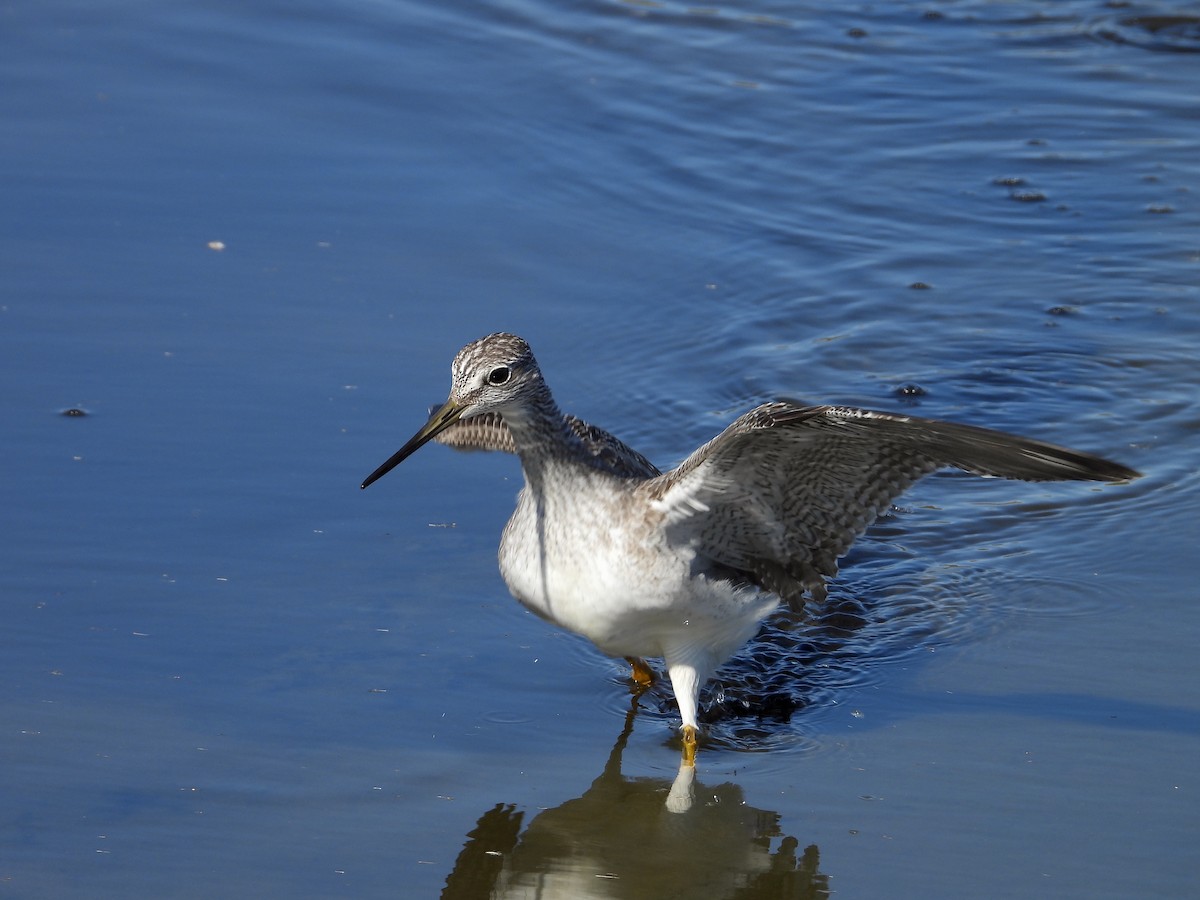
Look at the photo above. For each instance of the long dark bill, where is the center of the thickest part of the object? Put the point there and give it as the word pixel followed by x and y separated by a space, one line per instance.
pixel 442 419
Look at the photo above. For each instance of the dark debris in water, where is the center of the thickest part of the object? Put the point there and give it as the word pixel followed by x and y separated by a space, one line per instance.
pixel 1017 189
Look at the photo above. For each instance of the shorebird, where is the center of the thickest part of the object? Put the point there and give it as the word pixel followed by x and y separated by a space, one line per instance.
pixel 684 565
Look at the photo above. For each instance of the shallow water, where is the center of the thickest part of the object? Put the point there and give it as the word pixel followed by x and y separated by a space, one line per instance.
pixel 246 240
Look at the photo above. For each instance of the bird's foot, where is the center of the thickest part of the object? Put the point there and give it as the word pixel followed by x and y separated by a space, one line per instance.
pixel 690 743
pixel 641 673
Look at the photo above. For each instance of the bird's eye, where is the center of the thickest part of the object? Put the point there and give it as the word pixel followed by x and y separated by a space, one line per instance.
pixel 499 375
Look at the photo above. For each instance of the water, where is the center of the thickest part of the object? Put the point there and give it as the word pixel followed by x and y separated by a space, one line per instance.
pixel 246 239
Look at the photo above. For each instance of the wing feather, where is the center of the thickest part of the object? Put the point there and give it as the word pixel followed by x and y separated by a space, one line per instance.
pixel 786 489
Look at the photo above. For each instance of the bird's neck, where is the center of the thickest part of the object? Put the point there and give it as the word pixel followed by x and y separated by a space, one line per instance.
pixel 542 435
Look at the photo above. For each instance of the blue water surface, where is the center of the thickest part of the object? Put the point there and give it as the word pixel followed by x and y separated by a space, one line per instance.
pixel 241 243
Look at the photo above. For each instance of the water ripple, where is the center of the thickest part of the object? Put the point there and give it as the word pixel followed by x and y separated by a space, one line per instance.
pixel 1169 33
pixel 772 694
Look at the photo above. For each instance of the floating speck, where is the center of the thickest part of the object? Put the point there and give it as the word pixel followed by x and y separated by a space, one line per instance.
pixel 216 245
pixel 75 412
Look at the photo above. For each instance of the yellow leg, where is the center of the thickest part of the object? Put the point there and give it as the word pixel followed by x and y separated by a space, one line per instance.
pixel 689 745
pixel 642 673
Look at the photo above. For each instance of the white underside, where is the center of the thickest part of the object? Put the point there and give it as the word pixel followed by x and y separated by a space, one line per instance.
pixel 581 560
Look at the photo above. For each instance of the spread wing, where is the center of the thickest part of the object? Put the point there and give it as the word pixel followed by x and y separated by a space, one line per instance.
pixel 785 490
pixel 488 432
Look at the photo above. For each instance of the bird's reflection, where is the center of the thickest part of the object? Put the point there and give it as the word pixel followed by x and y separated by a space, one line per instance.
pixel 637 837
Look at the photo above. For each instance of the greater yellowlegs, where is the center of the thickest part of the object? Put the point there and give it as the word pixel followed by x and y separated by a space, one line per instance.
pixel 684 565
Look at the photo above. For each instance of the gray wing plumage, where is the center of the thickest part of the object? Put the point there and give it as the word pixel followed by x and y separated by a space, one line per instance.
pixel 611 453
pixel 488 432
pixel 785 490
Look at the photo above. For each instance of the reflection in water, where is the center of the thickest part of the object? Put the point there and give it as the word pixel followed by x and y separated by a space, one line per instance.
pixel 636 837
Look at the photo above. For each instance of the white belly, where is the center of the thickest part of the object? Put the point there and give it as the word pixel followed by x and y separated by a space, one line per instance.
pixel 576 562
